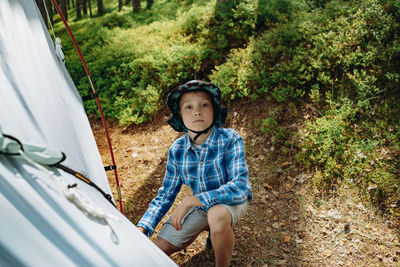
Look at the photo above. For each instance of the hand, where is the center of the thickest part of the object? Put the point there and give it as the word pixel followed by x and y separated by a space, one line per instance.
pixel 182 209
pixel 141 229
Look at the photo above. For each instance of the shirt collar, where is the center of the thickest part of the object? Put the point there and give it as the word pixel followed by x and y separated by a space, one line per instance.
pixel 209 142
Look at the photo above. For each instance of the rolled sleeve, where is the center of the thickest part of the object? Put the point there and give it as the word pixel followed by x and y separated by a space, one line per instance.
pixel 160 205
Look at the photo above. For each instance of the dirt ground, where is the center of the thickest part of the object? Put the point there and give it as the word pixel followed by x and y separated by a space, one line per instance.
pixel 288 224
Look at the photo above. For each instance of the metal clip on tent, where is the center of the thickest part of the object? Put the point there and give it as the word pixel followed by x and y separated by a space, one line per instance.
pixel 85 179
pixel 110 167
pixel 97 100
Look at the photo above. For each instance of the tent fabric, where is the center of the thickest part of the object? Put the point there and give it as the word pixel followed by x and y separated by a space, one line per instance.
pixel 39 105
pixel 37 153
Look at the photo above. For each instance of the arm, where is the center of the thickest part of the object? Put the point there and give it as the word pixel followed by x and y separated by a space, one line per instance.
pixel 237 189
pixel 160 205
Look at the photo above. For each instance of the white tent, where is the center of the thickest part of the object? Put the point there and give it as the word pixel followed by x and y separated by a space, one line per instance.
pixel 39 104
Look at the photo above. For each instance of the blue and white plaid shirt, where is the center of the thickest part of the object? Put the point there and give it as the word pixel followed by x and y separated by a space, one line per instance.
pixel 217 174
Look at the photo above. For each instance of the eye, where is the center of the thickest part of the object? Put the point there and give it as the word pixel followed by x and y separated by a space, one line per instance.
pixel 188 107
pixel 206 104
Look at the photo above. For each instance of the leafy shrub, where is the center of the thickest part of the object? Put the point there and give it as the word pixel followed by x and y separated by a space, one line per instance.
pixel 273 11
pixel 357 154
pixel 134 68
pixel 217 30
pixel 344 59
pixel 137 66
pixel 392 7
pixel 318 49
pixel 116 19
pixel 341 56
pixel 271 127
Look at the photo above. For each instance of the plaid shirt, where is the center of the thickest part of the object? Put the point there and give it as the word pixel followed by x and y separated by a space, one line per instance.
pixel 217 174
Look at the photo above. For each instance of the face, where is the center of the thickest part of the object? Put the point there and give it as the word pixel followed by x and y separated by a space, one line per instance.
pixel 196 110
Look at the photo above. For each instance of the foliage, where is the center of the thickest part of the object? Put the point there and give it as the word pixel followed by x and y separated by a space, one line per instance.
pixel 273 11
pixel 359 154
pixel 342 57
pixel 139 65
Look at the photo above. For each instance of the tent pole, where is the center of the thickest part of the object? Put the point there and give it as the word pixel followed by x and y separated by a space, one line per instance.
pixel 97 100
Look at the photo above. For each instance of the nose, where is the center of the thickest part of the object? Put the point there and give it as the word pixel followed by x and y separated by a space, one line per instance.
pixel 197 112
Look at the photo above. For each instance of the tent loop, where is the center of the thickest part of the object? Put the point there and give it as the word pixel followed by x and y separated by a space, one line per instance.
pixel 14 139
pixel 59 52
pixel 57 40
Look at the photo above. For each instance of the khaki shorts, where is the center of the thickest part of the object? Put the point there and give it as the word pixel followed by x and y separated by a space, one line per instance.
pixel 195 221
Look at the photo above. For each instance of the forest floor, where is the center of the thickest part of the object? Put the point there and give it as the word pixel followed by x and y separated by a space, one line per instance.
pixel 288 224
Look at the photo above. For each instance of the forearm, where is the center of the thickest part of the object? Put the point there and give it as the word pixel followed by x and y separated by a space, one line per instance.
pixel 229 194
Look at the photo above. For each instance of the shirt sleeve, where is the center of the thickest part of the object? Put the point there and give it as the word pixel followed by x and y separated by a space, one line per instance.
pixel 160 205
pixel 238 189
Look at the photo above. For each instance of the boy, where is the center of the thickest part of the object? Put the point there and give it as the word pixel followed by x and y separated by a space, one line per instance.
pixel 209 159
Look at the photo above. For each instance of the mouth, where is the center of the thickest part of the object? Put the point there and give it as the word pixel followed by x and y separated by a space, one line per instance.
pixel 196 121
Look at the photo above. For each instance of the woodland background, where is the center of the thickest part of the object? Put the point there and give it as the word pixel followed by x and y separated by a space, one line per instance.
pixel 338 58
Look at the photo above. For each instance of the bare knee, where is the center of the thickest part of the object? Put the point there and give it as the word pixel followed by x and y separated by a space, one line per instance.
pixel 219 219
pixel 165 246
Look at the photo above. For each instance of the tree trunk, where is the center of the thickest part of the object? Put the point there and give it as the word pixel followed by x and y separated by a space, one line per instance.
pixel 127 2
pixel 100 8
pixel 42 10
pixel 84 7
pixel 64 9
pixel 90 8
pixel 149 3
pixel 120 4
pixel 136 5
pixel 78 9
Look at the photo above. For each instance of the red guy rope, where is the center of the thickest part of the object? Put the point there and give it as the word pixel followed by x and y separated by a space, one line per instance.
pixel 97 100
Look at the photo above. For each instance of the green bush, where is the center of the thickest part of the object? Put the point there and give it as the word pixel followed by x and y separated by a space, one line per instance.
pixel 318 49
pixel 273 11
pixel 342 57
pixel 358 154
pixel 345 59
pixel 134 67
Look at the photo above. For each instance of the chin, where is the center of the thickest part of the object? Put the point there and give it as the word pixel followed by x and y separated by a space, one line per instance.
pixel 197 128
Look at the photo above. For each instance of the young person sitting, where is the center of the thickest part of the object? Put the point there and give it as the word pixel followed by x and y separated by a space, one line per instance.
pixel 211 161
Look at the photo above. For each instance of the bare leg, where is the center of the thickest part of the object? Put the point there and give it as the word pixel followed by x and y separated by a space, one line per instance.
pixel 222 237
pixel 165 246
